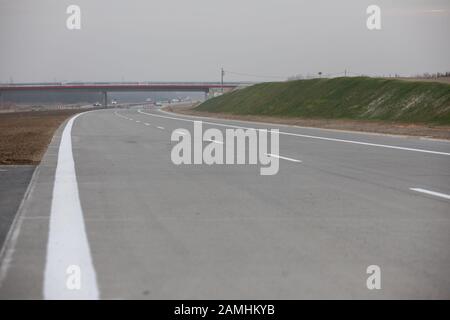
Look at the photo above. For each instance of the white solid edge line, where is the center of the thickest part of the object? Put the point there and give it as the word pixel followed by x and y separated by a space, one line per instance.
pixel 119 115
pixel 281 157
pixel 393 135
pixel 306 136
pixel 215 141
pixel 68 252
pixel 9 244
pixel 433 193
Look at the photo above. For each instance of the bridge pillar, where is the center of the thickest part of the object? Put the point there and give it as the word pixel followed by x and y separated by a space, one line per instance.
pixel 206 94
pixel 105 99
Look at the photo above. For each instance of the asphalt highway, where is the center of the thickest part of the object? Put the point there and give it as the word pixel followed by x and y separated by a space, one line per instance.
pixel 112 208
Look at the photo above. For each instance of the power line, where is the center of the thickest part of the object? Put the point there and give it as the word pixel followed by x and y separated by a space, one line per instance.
pixel 344 73
pixel 254 75
pixel 336 74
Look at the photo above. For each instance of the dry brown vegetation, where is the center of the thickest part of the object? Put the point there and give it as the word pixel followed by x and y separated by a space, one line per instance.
pixel 386 127
pixel 24 136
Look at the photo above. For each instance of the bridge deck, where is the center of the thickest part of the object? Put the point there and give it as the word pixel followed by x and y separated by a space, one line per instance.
pixel 147 86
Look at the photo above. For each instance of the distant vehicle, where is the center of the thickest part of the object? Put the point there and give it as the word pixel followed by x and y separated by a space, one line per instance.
pixel 175 100
pixel 114 102
pixel 159 103
pixel 97 104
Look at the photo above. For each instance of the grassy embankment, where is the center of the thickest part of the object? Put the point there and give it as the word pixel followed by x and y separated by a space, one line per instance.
pixel 340 98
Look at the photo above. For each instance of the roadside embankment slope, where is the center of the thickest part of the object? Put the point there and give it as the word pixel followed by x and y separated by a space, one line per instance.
pixel 357 98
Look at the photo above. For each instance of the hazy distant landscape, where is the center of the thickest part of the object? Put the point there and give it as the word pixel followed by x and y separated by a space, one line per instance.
pixel 27 101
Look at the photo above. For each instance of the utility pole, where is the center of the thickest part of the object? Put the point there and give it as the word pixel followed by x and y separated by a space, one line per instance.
pixel 222 73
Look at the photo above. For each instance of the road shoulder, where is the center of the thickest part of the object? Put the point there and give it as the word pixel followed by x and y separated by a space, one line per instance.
pixel 14 181
pixel 357 126
pixel 23 259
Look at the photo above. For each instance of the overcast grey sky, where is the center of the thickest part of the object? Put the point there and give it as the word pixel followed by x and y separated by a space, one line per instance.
pixel 191 39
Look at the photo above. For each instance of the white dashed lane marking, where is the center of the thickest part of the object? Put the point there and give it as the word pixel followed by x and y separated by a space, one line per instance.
pixel 432 193
pixel 281 157
pixel 305 135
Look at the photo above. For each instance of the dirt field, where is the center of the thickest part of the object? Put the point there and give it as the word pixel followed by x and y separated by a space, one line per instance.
pixel 442 80
pixel 438 132
pixel 24 136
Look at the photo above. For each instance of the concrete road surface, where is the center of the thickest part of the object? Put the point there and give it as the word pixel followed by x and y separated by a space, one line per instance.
pixel 116 219
pixel 14 181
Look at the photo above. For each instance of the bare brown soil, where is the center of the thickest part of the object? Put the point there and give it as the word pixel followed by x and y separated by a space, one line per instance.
pixel 24 136
pixel 441 80
pixel 422 130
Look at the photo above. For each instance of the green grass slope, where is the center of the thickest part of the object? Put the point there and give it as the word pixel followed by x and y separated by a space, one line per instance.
pixel 340 98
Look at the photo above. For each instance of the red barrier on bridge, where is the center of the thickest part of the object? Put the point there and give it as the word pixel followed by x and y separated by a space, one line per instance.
pixel 119 86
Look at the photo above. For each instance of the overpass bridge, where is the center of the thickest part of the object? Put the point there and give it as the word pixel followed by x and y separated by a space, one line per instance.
pixel 105 87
